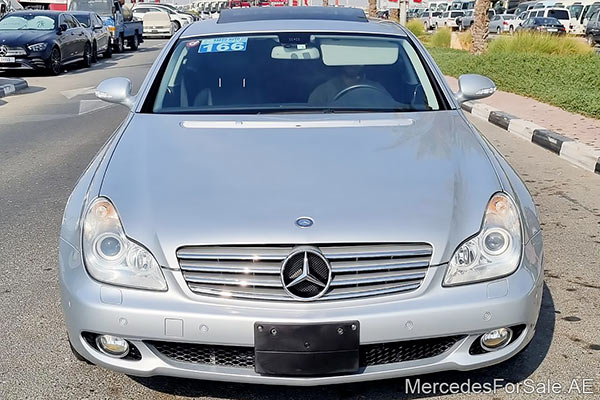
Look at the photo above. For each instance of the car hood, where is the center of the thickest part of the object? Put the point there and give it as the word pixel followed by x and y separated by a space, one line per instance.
pixel 194 180
pixel 22 38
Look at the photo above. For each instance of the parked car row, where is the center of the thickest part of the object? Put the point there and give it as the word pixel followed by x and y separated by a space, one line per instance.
pixel 48 40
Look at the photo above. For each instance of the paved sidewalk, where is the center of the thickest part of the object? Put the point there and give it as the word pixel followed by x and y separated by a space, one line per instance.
pixel 582 129
pixel 11 85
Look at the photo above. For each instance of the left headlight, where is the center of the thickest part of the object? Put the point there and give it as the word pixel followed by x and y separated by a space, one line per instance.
pixel 495 251
pixel 113 258
pixel 38 46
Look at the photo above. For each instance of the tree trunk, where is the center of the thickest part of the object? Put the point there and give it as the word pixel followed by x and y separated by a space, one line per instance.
pixel 395 14
pixel 480 26
pixel 325 3
pixel 372 8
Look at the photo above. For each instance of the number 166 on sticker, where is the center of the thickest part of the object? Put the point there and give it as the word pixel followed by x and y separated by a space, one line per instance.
pixel 219 45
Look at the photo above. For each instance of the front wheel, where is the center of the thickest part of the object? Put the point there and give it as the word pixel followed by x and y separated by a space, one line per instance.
pixel 95 53
pixel 119 46
pixel 134 42
pixel 109 50
pixel 87 56
pixel 55 62
pixel 591 41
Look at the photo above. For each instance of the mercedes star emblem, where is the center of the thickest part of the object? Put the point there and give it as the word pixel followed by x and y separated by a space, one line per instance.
pixel 306 274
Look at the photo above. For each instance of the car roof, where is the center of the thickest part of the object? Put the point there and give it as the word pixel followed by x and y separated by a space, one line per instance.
pixel 292 19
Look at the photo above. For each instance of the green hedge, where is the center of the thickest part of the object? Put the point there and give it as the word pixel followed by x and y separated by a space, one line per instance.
pixel 571 82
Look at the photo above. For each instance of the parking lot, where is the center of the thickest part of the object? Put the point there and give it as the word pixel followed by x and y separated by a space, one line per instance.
pixel 51 131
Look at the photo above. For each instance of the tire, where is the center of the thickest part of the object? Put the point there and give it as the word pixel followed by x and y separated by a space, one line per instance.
pixel 134 42
pixel 55 62
pixel 590 40
pixel 109 51
pixel 95 53
pixel 176 25
pixel 87 56
pixel 119 46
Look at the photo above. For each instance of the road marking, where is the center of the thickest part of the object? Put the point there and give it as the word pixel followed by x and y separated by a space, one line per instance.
pixel 69 94
pixel 88 106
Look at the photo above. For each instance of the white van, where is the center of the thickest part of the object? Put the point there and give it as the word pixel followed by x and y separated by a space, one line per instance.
pixel 560 13
pixel 581 11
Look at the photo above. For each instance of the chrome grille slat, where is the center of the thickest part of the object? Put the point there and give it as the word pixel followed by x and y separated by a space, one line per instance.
pixel 233 279
pixel 254 272
pixel 234 253
pixel 243 267
pixel 377 265
pixel 375 278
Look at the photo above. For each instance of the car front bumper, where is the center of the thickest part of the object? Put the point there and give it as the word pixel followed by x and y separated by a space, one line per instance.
pixel 26 63
pixel 157 32
pixel 178 315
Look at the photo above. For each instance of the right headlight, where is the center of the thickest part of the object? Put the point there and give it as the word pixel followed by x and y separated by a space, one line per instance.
pixel 495 251
pixel 113 258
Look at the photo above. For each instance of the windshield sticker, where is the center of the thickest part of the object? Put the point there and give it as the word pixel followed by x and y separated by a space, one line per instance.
pixel 193 43
pixel 219 45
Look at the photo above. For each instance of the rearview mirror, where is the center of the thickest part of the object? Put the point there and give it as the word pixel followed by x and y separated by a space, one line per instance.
pixel 301 52
pixel 473 87
pixel 116 90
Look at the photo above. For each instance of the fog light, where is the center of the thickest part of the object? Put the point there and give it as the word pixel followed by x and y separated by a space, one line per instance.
pixel 112 345
pixel 496 339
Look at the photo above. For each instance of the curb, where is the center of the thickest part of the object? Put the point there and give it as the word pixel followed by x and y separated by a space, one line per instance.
pixel 576 153
pixel 11 86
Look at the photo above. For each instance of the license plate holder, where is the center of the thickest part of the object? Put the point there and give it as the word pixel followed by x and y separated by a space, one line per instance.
pixel 308 349
pixel 7 60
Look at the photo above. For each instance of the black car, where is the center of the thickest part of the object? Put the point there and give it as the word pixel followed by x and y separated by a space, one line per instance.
pixel 592 30
pixel 101 42
pixel 539 24
pixel 42 40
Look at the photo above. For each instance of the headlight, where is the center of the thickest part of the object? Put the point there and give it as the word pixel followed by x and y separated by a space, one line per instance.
pixel 113 258
pixel 38 47
pixel 495 251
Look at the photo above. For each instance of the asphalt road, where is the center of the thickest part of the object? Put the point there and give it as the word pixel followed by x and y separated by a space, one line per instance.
pixel 49 134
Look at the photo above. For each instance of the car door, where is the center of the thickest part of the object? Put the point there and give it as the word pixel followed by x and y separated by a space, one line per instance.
pixel 79 34
pixel 595 26
pixel 65 39
pixel 100 32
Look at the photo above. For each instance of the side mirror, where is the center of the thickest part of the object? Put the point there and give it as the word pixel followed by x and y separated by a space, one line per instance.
pixel 116 90
pixel 473 87
pixel 63 27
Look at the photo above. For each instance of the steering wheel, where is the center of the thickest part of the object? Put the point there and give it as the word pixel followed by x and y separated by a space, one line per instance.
pixel 345 91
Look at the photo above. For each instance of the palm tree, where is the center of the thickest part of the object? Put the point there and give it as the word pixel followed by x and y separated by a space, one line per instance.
pixel 480 26
pixel 325 3
pixel 372 8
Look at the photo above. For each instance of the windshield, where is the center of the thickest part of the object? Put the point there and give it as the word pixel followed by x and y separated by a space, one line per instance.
pixel 27 22
pixel 83 20
pixel 293 72
pixel 558 14
pixel 100 7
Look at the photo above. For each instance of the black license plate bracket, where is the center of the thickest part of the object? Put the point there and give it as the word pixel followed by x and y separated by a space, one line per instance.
pixel 307 349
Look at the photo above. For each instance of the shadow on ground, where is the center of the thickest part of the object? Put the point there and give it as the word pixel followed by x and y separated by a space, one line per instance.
pixel 514 370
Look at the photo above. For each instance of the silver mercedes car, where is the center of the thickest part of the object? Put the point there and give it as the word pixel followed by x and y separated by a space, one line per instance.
pixel 296 198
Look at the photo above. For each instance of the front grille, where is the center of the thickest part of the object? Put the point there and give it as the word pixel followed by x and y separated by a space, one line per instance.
pixel 243 357
pixel 250 272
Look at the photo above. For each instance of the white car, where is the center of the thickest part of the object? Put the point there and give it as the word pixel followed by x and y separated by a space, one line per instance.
pixel 179 20
pixel 514 23
pixel 158 24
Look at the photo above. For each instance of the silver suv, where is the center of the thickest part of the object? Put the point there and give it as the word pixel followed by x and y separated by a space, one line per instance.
pixel 296 198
